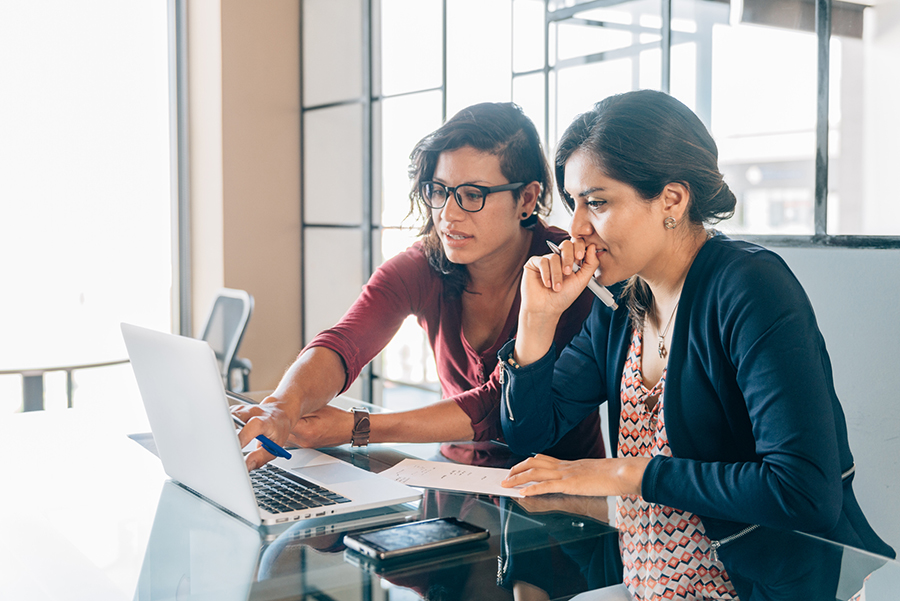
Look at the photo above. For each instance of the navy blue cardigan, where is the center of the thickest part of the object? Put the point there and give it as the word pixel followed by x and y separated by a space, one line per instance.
pixel 756 430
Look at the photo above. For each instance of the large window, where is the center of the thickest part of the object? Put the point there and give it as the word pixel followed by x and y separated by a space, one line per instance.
pixel 807 153
pixel 85 197
pixel 379 74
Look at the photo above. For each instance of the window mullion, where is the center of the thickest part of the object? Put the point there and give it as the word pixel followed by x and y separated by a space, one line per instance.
pixel 823 35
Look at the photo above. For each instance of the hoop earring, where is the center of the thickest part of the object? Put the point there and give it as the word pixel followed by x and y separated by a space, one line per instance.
pixel 670 223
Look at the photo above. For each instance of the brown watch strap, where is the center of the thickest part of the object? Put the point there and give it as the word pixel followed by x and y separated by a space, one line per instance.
pixel 361 427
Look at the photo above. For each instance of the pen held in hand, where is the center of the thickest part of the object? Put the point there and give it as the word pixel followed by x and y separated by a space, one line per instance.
pixel 266 443
pixel 599 291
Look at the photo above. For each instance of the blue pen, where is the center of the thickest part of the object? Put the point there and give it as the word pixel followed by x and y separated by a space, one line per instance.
pixel 266 443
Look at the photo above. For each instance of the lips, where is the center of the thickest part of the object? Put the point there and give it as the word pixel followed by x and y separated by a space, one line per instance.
pixel 454 238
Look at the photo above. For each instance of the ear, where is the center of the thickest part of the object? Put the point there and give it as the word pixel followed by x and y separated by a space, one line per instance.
pixel 528 197
pixel 676 198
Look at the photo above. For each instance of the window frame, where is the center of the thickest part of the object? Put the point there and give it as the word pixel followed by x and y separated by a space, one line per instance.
pixel 823 30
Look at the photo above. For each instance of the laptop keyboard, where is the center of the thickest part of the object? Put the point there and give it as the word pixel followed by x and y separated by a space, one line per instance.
pixel 281 491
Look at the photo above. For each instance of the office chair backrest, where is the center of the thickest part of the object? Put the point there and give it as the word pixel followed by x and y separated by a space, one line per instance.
pixel 225 327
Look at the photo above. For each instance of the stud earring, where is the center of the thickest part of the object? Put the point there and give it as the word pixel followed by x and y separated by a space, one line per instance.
pixel 670 223
pixel 524 215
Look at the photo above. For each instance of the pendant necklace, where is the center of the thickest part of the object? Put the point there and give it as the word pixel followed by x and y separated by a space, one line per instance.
pixel 662 336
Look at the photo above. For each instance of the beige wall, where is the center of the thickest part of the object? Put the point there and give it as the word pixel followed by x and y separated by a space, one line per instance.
pixel 243 70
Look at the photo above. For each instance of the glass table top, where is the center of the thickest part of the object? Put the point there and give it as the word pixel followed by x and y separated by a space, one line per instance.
pixel 88 513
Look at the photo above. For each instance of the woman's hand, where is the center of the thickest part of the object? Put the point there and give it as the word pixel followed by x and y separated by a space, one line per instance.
pixel 268 418
pixel 550 284
pixel 549 287
pixel 327 427
pixel 309 384
pixel 594 477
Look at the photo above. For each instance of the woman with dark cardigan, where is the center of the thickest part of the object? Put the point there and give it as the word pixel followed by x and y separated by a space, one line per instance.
pixel 723 413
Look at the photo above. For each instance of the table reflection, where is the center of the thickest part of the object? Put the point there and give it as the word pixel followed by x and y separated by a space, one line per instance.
pixel 541 548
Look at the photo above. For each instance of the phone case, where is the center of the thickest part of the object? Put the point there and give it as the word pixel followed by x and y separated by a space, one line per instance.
pixel 414 538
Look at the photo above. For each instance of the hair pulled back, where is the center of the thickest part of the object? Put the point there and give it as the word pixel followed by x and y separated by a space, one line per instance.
pixel 648 139
pixel 500 129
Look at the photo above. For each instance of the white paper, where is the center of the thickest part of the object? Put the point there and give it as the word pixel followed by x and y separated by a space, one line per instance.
pixel 452 476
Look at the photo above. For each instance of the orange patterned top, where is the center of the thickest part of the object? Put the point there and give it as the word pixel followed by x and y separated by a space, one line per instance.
pixel 665 551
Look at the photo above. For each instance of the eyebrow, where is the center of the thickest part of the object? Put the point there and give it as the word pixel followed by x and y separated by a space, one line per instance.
pixel 469 183
pixel 590 191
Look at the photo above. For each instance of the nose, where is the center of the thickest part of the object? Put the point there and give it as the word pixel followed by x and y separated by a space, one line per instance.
pixel 581 226
pixel 451 210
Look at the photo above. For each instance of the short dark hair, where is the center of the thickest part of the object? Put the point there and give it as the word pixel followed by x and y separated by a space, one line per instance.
pixel 648 139
pixel 498 128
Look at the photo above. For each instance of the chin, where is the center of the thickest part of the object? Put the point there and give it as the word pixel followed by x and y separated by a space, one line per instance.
pixel 454 256
pixel 609 278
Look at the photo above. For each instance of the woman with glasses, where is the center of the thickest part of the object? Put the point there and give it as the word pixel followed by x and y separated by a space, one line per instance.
pixel 480 184
pixel 722 406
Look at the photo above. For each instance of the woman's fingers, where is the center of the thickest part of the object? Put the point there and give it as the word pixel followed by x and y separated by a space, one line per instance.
pixel 550 270
pixel 591 262
pixel 265 419
pixel 543 488
pixel 571 252
pixel 258 458
pixel 524 472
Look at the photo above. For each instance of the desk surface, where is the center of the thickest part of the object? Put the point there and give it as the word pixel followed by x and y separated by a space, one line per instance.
pixel 88 513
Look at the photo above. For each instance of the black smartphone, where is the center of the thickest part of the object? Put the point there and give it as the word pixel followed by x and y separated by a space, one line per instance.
pixel 414 538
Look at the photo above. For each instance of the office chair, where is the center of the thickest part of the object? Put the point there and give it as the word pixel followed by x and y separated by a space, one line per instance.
pixel 224 331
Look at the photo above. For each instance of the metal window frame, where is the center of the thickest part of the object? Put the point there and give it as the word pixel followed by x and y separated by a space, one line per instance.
pixel 820 238
pixel 182 318
pixel 369 224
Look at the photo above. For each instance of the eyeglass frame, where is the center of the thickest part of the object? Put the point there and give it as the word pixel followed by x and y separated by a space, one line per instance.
pixel 485 190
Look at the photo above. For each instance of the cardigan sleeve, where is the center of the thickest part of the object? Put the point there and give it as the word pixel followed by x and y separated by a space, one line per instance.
pixel 767 360
pixel 543 401
pixel 482 403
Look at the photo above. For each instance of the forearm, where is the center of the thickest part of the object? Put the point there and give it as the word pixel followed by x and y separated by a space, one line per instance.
pixel 444 421
pixel 311 382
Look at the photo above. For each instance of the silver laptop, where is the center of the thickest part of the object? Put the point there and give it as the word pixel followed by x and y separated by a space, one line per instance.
pixel 196 440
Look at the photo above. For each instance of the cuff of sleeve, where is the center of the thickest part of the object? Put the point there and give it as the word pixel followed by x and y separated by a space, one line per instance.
pixel 506 352
pixel 514 377
pixel 487 428
pixel 346 350
pixel 651 478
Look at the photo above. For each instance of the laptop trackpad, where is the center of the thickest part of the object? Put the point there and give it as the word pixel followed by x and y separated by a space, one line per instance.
pixel 332 473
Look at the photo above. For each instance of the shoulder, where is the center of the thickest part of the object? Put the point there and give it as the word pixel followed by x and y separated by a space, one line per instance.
pixel 411 261
pixel 741 292
pixel 542 233
pixel 409 271
pixel 735 268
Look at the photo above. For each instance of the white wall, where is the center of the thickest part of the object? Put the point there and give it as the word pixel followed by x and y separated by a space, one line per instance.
pixel 855 293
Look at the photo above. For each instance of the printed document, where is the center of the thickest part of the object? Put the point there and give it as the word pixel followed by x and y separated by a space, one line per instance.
pixel 452 476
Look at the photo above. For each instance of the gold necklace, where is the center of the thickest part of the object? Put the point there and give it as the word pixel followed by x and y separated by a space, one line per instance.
pixel 662 337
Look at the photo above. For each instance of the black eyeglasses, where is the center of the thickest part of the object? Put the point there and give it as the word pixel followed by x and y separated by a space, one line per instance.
pixel 469 197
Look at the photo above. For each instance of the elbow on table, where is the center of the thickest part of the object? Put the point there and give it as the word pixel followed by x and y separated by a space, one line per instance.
pixel 522 440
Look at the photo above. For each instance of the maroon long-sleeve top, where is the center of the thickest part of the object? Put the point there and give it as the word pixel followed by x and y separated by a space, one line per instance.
pixel 407 285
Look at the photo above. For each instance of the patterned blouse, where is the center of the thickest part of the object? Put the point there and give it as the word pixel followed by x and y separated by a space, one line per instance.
pixel 664 550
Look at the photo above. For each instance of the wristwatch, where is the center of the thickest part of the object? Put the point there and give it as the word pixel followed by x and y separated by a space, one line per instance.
pixel 360 435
